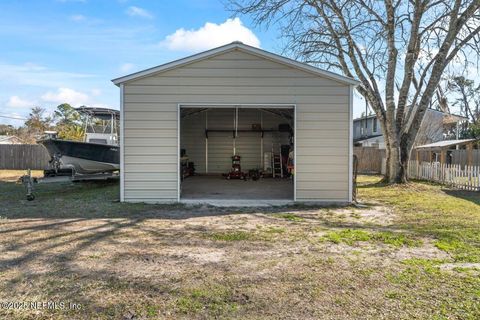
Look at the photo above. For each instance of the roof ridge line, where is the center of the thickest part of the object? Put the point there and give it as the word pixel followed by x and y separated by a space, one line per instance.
pixel 232 46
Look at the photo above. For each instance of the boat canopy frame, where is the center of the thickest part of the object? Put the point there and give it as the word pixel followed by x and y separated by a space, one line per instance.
pixel 105 115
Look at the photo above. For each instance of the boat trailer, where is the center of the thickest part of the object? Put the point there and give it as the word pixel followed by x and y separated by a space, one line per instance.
pixel 29 182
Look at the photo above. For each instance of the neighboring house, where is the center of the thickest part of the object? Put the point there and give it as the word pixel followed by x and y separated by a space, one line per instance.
pixel 232 100
pixel 367 132
pixel 10 140
pixel 436 126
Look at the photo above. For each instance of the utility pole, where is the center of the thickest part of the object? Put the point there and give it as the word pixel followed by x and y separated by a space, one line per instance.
pixel 366 118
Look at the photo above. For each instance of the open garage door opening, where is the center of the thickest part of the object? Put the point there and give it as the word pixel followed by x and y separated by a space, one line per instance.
pixel 237 153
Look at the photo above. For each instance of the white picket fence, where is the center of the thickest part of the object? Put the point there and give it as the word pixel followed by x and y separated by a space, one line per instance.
pixel 462 177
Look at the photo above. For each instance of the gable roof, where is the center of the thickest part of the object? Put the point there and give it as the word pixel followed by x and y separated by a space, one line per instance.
pixel 453 117
pixel 445 144
pixel 361 139
pixel 242 47
pixel 14 139
pixel 363 118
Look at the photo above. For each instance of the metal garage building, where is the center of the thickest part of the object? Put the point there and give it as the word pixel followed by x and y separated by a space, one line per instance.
pixel 230 100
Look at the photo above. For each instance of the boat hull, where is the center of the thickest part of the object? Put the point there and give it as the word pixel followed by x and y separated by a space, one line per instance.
pixel 83 157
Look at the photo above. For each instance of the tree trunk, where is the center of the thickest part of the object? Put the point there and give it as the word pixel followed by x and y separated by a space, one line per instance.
pixel 394 161
pixel 404 158
pixel 387 160
pixel 398 155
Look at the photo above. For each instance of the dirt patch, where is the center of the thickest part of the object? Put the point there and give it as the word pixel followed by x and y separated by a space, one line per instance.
pixel 367 215
pixel 426 251
pixel 372 214
pixel 14 175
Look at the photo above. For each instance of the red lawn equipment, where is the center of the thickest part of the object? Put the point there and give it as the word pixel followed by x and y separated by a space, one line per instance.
pixel 236 171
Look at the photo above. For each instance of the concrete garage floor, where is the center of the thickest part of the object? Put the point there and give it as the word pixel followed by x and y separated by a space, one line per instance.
pixel 218 188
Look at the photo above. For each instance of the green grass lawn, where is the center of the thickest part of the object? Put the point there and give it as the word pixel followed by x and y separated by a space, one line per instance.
pixel 409 252
pixel 451 217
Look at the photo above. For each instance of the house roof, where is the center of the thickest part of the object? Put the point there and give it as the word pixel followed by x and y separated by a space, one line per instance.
pixel 7 138
pixel 363 139
pixel 363 118
pixel 445 144
pixel 242 47
pixel 453 117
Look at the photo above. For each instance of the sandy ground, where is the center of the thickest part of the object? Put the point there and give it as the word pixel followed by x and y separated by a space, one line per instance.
pixel 14 175
pixel 116 266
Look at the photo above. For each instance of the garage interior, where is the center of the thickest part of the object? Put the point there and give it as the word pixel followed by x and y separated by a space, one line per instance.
pixel 237 153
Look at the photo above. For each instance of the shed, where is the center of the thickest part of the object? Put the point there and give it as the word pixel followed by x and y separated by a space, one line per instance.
pixel 444 148
pixel 290 123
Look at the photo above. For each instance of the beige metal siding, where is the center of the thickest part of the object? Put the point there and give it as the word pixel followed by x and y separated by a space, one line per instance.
pixel 150 151
pixel 272 141
pixel 323 152
pixel 237 77
pixel 220 144
pixel 248 144
pixel 192 139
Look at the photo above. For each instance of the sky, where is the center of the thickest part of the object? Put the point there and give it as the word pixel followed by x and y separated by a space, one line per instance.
pixel 56 51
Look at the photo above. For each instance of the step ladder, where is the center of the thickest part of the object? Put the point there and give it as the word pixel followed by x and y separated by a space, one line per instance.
pixel 277 167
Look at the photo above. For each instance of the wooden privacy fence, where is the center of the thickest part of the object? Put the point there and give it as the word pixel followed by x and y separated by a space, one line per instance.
pixel 453 156
pixel 462 177
pixel 369 159
pixel 460 157
pixel 23 156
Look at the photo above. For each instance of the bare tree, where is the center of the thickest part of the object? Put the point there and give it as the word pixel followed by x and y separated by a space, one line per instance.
pixel 468 97
pixel 398 49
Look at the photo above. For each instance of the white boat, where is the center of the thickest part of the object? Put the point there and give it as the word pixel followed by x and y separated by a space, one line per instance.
pixel 98 153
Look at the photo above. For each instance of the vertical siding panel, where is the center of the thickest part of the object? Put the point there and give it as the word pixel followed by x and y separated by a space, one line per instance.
pixel 162 190
pixel 192 139
pixel 325 188
pixel 220 144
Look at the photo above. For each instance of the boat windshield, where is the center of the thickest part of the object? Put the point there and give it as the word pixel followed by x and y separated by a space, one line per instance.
pixel 101 125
